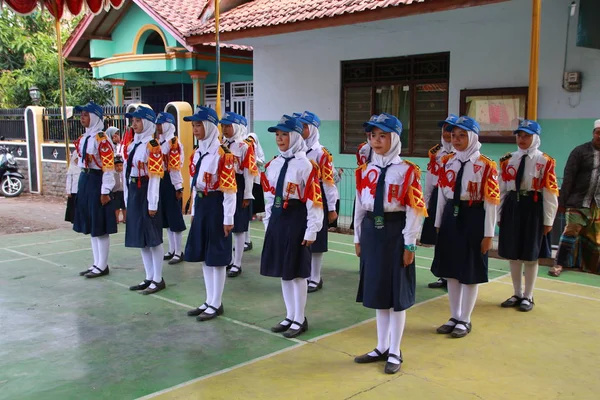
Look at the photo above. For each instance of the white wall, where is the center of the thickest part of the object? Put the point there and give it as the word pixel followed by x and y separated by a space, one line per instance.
pixel 489 47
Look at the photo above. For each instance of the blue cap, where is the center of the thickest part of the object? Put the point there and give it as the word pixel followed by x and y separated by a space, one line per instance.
pixel 530 127
pixel 296 115
pixel 142 113
pixel 467 123
pixel 203 114
pixel 244 120
pixel 231 118
pixel 165 117
pixel 91 107
pixel 373 118
pixel 287 124
pixel 450 120
pixel 309 118
pixel 386 122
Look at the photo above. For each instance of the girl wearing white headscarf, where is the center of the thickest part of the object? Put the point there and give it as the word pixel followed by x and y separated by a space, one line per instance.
pixel 141 187
pixel 73 173
pixel 528 206
pixel 389 215
pixel 468 198
pixel 258 204
pixel 294 215
pixel 214 188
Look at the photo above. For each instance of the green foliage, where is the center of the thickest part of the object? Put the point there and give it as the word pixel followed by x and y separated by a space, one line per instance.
pixel 28 57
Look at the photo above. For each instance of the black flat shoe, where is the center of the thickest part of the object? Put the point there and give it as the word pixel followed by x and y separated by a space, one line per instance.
pixel 168 256
pixel 233 274
pixel 82 273
pixel 316 287
pixel 93 274
pixel 366 358
pixel 229 266
pixel 176 259
pixel 197 311
pixel 439 284
pixel 247 246
pixel 526 305
pixel 279 328
pixel 445 329
pixel 141 286
pixel 292 333
pixel 206 317
pixel 390 367
pixel 514 301
pixel 459 332
pixel 159 286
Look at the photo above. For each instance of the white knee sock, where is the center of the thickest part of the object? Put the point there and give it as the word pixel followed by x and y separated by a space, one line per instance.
pixel 531 271
pixel 383 331
pixel 148 264
pixel 455 297
pixel 287 289
pixel 170 234
pixel 247 237
pixel 238 239
pixel 208 283
pixel 103 243
pixel 95 250
pixel 315 268
pixel 219 276
pixel 177 240
pixel 157 264
pixel 300 296
pixel 397 322
pixel 469 297
pixel 516 273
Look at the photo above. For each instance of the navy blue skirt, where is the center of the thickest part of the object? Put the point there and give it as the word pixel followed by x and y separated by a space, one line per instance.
pixel 283 255
pixel 91 217
pixel 458 249
pixel 522 228
pixel 429 233
pixel 206 241
pixel 258 204
pixel 70 211
pixel 242 217
pixel 320 244
pixel 141 229
pixel 172 215
pixel 384 281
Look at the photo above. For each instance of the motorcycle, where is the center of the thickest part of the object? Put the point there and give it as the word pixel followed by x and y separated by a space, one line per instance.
pixel 11 180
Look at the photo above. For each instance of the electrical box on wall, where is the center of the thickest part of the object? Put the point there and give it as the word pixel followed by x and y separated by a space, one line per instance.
pixel 572 81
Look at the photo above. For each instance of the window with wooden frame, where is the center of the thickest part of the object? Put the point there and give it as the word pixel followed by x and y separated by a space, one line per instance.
pixel 497 110
pixel 413 88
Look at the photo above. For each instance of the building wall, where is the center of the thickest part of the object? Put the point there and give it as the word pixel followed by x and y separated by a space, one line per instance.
pixel 488 45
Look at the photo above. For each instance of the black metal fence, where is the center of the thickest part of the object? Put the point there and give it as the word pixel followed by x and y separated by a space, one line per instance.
pixel 12 123
pixel 53 123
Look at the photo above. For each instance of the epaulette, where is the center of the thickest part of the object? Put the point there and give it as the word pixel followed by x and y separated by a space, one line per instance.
pixel 360 146
pixel 435 149
pixel 486 159
pixel 505 157
pixel 153 143
pixel 412 164
pixel 174 140
pixel 547 157
pixel 224 149
pixel 447 157
pixel 249 140
pixel 363 166
pixel 326 151
pixel 101 135
pixel 314 164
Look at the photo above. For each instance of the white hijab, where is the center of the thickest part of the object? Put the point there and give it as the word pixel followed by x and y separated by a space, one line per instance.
pixel 260 154
pixel 211 138
pixel 393 154
pixel 168 130
pixel 533 147
pixel 471 150
pixel 297 146
pixel 96 125
pixel 446 146
pixel 238 134
pixel 147 132
pixel 313 138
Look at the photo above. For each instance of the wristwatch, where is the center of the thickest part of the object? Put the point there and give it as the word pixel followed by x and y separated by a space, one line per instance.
pixel 411 247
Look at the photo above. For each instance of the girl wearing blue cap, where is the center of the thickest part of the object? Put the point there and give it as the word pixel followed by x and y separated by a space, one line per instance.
pixel 389 215
pixel 245 171
pixel 214 193
pixel 171 186
pixel 94 212
pixel 436 154
pixel 258 204
pixel 363 156
pixel 293 216
pixel 321 157
pixel 143 172
pixel 528 206
pixel 468 199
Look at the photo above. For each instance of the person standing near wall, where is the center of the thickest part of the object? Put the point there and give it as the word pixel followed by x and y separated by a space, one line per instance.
pixel 171 186
pixel 94 213
pixel 258 204
pixel 323 159
pixel 73 173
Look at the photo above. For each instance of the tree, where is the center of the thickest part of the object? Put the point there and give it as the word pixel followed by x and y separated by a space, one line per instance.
pixel 29 58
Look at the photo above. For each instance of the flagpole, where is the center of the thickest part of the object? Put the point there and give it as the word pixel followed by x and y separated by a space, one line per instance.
pixel 61 74
pixel 218 58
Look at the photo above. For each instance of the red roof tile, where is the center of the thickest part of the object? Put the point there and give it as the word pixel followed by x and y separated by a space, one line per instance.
pixel 182 15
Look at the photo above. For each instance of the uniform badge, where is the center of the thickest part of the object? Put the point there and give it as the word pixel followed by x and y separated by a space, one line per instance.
pixel 278 202
pixel 539 167
pixel 476 168
pixel 291 188
pixel 379 222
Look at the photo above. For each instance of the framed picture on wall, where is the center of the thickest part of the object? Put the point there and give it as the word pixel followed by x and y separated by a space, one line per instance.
pixel 498 111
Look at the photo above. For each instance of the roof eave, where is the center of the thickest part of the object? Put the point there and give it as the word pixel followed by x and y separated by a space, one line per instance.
pixel 77 34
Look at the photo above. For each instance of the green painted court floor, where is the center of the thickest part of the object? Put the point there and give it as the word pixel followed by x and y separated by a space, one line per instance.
pixel 67 337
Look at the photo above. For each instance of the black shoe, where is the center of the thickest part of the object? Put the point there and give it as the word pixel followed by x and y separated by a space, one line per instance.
pixel 391 368
pixel 206 317
pixel 159 286
pixel 176 259
pixel 168 256
pixel 366 358
pixel 229 266
pixel 526 305
pixel 279 328
pixel 292 333
pixel 247 246
pixel 93 274
pixel 141 286
pixel 459 332
pixel 439 284
pixel 318 286
pixel 445 329
pixel 197 311
pixel 514 301
pixel 233 274
pixel 82 273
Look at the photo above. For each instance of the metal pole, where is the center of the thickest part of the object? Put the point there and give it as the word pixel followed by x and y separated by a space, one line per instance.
pixel 63 101
pixel 218 57
pixel 532 104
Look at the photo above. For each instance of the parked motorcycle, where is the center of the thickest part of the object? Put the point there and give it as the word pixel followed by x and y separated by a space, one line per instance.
pixel 11 180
